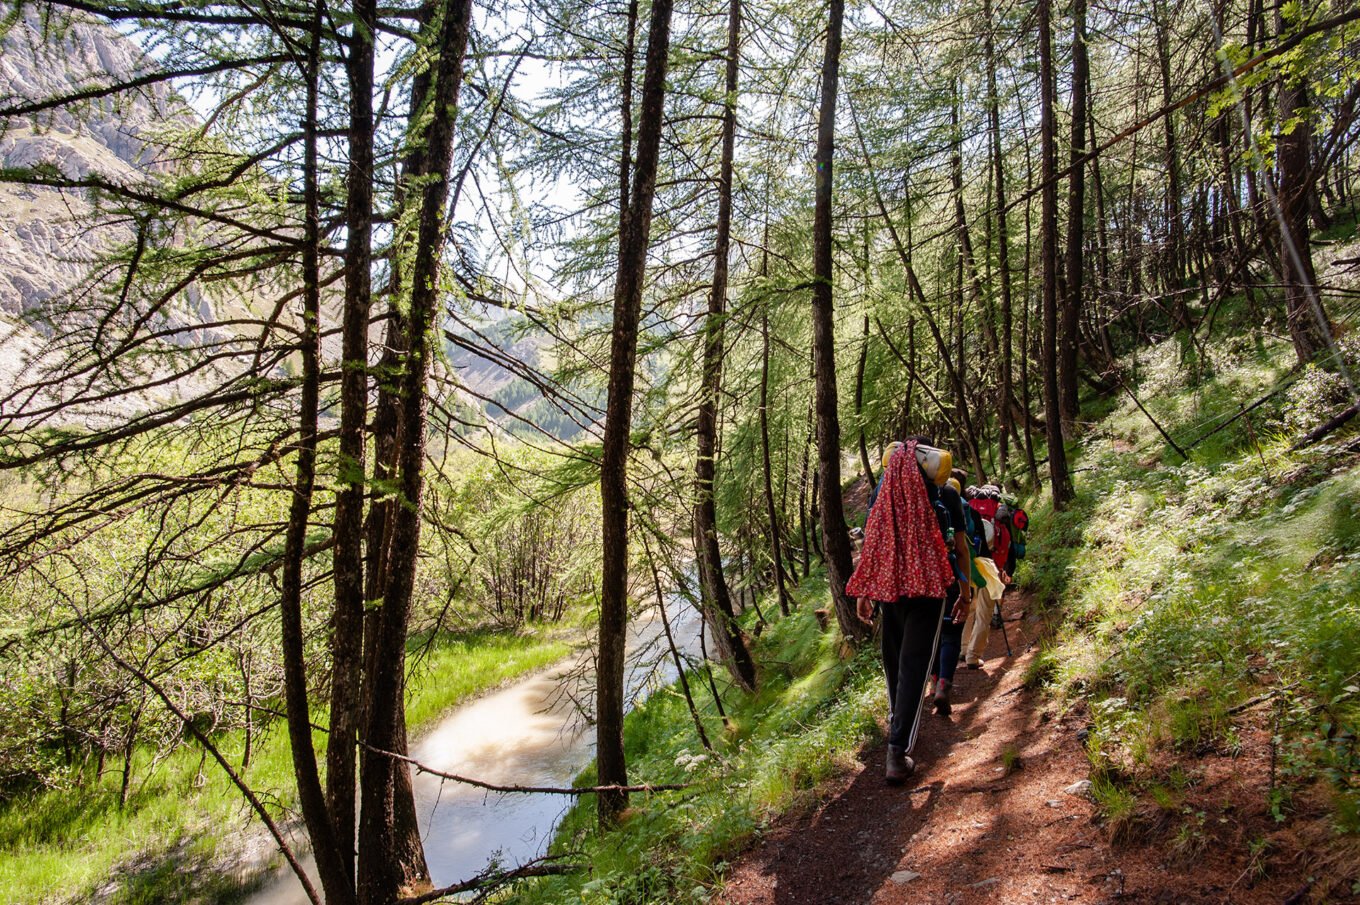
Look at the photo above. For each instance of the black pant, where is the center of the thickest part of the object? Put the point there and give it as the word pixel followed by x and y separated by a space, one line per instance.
pixel 910 628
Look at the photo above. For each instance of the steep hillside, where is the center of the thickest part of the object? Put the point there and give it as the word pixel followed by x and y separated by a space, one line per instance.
pixel 46 237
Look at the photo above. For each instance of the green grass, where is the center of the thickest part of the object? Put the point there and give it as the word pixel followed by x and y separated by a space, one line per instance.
pixel 172 841
pixel 811 714
pixel 1188 588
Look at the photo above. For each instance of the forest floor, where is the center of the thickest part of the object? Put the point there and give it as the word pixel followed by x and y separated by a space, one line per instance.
pixel 991 815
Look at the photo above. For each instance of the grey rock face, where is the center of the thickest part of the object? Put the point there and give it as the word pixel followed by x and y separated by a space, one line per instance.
pixel 47 238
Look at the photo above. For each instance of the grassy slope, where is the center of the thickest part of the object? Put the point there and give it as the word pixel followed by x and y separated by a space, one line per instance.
pixel 812 712
pixel 169 843
pixel 1190 589
pixel 1182 590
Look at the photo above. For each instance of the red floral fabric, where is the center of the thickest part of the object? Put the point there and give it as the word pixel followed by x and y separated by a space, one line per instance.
pixel 904 553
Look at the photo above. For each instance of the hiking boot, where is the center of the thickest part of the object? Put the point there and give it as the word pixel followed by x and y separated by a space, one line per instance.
pixel 942 705
pixel 976 664
pixel 900 766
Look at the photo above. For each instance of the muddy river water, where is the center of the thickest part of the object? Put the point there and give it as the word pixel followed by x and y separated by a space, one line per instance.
pixel 530 733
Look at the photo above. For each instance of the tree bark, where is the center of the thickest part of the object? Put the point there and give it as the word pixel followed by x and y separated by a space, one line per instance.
pixel 384 827
pixel 771 512
pixel 1003 253
pixel 1302 304
pixel 332 868
pixel 1173 256
pixel 347 629
pixel 835 533
pixel 1048 261
pixel 716 595
pixel 859 405
pixel 1070 338
pixel 634 235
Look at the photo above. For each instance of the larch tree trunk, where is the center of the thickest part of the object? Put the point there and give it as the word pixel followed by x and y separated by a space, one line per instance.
pixel 864 462
pixel 1308 323
pixel 385 865
pixel 1069 336
pixel 835 533
pixel 348 625
pixel 1048 262
pixel 1003 253
pixel 717 598
pixel 634 235
pixel 1173 256
pixel 332 868
pixel 771 511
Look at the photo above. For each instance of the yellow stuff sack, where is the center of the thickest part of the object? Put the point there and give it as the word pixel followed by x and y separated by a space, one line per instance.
pixel 936 463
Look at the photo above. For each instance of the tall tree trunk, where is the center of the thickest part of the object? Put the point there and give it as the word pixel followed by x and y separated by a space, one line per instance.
pixel 968 265
pixel 332 868
pixel 1048 261
pixel 1070 338
pixel 803 533
pixel 962 421
pixel 1026 356
pixel 1173 256
pixel 1102 250
pixel 1003 252
pixel 384 831
pixel 835 533
pixel 635 233
pixel 347 631
pixel 716 596
pixel 1302 304
pixel 771 513
pixel 859 405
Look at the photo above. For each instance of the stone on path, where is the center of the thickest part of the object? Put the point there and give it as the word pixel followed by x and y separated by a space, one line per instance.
pixel 1079 788
pixel 904 876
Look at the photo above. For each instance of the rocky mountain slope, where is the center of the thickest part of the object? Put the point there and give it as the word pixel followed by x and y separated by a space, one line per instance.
pixel 49 237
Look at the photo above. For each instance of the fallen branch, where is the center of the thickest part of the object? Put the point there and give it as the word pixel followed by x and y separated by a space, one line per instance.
pixel 495 879
pixel 1165 436
pixel 1245 410
pixel 533 790
pixel 1319 432
pixel 1260 699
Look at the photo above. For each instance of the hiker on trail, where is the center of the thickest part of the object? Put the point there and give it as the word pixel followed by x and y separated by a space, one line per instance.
pixel 987 584
pixel 954 525
pixel 904 573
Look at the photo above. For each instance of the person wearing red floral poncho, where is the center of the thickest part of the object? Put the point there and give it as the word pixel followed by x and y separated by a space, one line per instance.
pixel 904 572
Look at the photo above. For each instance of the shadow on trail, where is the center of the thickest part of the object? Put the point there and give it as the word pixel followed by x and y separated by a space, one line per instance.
pixel 848 849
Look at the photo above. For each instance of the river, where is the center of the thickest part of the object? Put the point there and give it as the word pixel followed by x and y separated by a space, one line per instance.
pixel 530 733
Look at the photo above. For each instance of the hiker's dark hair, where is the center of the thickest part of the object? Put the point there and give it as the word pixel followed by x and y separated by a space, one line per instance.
pixel 959 475
pixel 920 438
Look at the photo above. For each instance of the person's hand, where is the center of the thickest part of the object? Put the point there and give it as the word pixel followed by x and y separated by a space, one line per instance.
pixel 960 613
pixel 864 609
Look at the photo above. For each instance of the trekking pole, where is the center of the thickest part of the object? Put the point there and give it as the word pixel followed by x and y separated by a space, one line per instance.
pixel 999 622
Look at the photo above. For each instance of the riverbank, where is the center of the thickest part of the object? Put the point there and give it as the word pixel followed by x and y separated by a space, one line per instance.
pixel 178 836
pixel 812 712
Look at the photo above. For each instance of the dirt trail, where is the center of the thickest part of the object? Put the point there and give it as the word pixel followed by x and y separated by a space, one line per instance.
pixel 965 830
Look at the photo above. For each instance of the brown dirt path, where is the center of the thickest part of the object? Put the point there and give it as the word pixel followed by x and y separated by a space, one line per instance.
pixel 966 831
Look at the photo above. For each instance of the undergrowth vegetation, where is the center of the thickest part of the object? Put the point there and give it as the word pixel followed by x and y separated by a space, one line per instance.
pixel 1209 598
pixel 813 711
pixel 179 834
